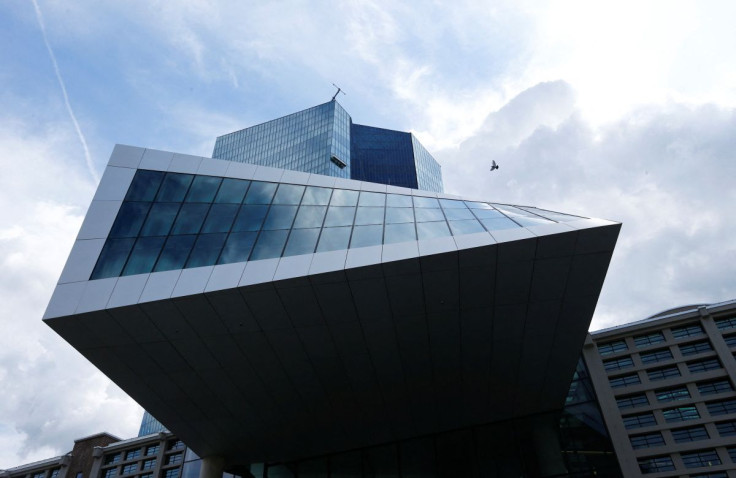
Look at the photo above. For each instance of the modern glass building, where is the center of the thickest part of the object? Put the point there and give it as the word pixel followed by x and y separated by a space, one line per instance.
pixel 149 425
pixel 286 322
pixel 324 140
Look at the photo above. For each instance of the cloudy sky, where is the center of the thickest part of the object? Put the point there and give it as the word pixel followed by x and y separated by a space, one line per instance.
pixel 623 110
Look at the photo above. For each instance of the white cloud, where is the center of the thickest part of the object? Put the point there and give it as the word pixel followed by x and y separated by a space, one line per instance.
pixel 623 54
pixel 665 173
pixel 51 392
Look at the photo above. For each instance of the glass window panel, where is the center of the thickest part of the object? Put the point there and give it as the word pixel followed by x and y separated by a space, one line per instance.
pixel 477 205
pixel 499 224
pixel 190 218
pixel 301 241
pixel 695 348
pixel 452 204
pixel 612 347
pixel 280 217
pixel 648 339
pixel 339 216
pixel 624 380
pixel 487 214
pixel 160 219
pixel 310 216
pixel 721 407
pixel 656 356
pixel 511 210
pixel 364 236
pixel 672 394
pixel 465 227
pixel 250 218
pixel 206 250
pixel 144 255
pixel 726 323
pixel 175 253
pixel 288 194
pixel 399 233
pixel 532 221
pixel 429 214
pixel 431 230
pixel 220 218
pixel 681 414
pixel 112 258
pixel 425 202
pixel 334 238
pixel 144 186
pixel 237 247
pixel 458 214
pixel 632 401
pixel 656 464
pixel 260 193
pixel 372 199
pixel 204 189
pixel 398 200
pixel 174 187
pixel 716 386
pixel 232 191
pixel 344 197
pixel 397 215
pixel 279 471
pixel 687 331
pixel 683 435
pixel 130 219
pixel 369 215
pixel 315 196
pixel 269 245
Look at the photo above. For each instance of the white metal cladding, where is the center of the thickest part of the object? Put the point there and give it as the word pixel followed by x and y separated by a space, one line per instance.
pixel 297 356
pixel 119 174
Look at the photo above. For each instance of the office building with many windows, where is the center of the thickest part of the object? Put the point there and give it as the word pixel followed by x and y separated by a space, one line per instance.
pixel 666 389
pixel 156 455
pixel 290 323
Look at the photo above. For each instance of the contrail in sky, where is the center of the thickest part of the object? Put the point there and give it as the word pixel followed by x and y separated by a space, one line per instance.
pixel 87 157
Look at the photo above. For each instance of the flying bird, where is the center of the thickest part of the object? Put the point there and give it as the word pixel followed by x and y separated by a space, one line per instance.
pixel 494 165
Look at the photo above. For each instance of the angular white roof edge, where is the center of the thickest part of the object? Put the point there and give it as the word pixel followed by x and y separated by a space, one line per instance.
pixel 75 293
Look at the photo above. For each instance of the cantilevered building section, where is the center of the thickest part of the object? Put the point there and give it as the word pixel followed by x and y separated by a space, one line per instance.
pixel 324 140
pixel 272 316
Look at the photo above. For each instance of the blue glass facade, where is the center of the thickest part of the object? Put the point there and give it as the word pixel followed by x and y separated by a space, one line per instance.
pixel 383 156
pixel 429 173
pixel 324 140
pixel 150 425
pixel 303 141
pixel 174 221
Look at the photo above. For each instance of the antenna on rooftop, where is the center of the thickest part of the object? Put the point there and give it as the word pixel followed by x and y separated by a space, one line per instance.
pixel 339 90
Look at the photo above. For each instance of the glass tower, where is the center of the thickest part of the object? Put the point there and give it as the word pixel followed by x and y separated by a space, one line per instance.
pixel 324 140
pixel 150 425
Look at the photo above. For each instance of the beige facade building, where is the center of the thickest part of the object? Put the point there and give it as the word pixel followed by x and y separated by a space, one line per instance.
pixel 160 455
pixel 666 388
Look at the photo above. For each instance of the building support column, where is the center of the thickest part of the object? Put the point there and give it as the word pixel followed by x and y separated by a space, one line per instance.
pixel 212 467
pixel 546 438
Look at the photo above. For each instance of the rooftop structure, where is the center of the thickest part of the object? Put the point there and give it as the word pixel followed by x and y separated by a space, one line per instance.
pixel 324 140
